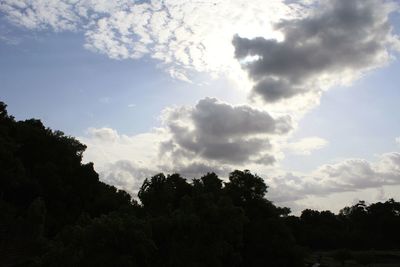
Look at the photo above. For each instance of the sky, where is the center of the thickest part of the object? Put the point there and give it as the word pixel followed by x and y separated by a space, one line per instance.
pixel 302 93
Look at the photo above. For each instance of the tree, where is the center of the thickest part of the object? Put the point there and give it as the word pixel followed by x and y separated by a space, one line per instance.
pixel 244 186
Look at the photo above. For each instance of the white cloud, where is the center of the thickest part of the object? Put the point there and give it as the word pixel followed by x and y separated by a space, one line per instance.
pixel 126 175
pixel 183 35
pixel 398 140
pixel 306 146
pixel 107 146
pixel 347 176
pixel 106 135
pixel 41 14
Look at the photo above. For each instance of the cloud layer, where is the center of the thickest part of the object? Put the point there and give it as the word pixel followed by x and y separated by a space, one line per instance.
pixel 337 43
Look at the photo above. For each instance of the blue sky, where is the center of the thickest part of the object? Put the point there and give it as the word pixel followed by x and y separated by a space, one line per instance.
pixel 359 121
pixel 149 92
pixel 53 77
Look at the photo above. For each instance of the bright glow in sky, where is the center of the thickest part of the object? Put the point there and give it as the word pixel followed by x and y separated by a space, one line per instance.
pixel 303 93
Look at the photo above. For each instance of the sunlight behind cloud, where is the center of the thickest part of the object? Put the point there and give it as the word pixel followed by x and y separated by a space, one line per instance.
pixel 185 36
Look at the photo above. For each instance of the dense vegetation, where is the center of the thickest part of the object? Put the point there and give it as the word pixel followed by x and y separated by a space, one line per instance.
pixel 54 211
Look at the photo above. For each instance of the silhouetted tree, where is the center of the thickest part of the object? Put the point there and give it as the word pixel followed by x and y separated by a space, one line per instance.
pixel 54 211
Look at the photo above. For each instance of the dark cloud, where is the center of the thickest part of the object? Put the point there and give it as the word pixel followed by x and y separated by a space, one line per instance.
pixel 337 42
pixel 213 118
pixel 274 90
pixel 214 130
pixel 266 159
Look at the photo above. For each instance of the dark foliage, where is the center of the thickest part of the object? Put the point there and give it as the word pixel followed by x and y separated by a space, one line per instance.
pixel 54 211
pixel 361 226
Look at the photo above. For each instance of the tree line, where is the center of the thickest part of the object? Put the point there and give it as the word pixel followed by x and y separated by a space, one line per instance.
pixel 54 211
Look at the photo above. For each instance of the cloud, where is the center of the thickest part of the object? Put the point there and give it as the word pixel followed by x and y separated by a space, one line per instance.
pixel 129 176
pixel 339 39
pixel 104 134
pixel 380 195
pixel 125 161
pixel 106 146
pixel 306 146
pixel 326 43
pixel 60 15
pixel 208 137
pixel 217 131
pixel 41 14
pixel 184 36
pixel 347 176
pixel 398 140
pixel 337 43
pixel 198 169
pixel 126 175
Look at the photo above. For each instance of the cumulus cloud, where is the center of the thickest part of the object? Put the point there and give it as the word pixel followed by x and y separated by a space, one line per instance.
pixel 336 43
pixel 347 176
pixel 208 137
pixel 125 161
pixel 217 131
